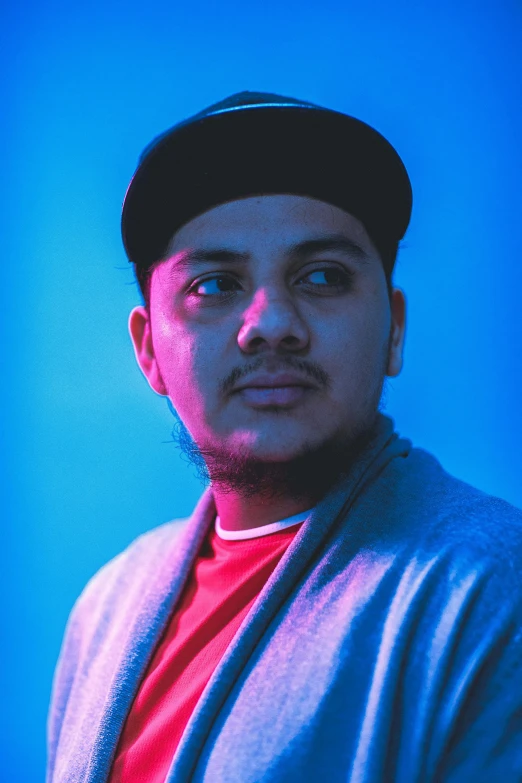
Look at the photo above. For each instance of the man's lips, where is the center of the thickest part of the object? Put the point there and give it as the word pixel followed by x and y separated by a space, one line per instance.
pixel 282 380
pixel 267 390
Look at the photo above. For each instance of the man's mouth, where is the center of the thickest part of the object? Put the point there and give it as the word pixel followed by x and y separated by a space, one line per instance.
pixel 265 396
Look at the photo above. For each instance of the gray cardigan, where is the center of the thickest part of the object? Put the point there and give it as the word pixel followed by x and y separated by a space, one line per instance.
pixel 386 645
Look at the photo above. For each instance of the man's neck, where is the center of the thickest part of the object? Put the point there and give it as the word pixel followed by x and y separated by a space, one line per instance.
pixel 237 512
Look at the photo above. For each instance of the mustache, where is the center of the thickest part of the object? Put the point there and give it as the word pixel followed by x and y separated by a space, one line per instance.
pixel 306 368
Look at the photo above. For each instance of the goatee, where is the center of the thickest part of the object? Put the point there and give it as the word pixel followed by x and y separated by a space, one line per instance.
pixel 308 476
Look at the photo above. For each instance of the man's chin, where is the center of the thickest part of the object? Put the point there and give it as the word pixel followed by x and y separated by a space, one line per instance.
pixel 308 475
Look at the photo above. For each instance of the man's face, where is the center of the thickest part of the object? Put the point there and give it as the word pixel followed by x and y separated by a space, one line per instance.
pixel 258 312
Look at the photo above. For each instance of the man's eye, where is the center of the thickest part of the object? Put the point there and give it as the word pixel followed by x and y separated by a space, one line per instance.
pixel 332 277
pixel 212 286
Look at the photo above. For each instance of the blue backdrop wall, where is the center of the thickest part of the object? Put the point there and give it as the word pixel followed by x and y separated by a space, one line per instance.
pixel 86 459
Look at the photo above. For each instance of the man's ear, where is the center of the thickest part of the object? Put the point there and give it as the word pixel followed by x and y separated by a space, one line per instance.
pixel 141 335
pixel 398 331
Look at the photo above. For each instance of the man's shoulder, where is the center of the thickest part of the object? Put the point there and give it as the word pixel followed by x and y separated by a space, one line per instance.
pixel 454 497
pixel 451 514
pixel 142 557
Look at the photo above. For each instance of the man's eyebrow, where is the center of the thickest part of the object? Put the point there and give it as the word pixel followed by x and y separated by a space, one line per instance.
pixel 320 244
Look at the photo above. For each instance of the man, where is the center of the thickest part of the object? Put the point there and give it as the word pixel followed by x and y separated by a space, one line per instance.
pixel 337 607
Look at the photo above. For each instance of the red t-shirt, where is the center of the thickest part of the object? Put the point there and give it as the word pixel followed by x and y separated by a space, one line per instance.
pixel 224 583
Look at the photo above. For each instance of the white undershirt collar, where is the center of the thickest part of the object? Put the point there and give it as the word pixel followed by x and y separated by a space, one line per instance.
pixel 263 530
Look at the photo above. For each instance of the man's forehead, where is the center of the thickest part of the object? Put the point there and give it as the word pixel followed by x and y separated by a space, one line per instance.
pixel 235 251
pixel 282 220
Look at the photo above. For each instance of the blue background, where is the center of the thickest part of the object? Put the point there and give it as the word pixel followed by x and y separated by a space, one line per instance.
pixel 86 459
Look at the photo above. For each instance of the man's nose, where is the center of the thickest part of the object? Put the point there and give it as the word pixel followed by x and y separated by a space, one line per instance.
pixel 273 321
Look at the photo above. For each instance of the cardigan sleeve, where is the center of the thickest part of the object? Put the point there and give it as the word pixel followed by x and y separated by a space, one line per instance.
pixel 486 742
pixel 62 684
pixel 94 638
pixel 71 654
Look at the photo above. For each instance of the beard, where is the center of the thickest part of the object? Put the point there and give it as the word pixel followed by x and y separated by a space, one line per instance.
pixel 308 476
